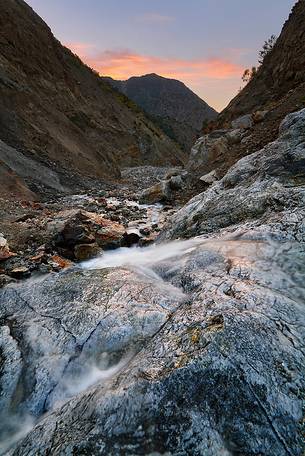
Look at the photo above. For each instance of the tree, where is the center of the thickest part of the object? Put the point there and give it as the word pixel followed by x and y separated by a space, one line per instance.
pixel 267 47
pixel 248 74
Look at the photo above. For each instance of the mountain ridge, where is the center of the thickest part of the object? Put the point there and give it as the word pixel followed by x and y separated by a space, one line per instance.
pixel 170 103
pixel 61 114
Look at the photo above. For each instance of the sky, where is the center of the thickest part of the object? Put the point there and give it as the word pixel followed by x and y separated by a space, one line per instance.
pixel 204 43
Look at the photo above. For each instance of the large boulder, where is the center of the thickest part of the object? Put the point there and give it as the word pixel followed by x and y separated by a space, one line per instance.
pixel 60 334
pixel 72 228
pixel 223 374
pixel 158 193
pixel 264 190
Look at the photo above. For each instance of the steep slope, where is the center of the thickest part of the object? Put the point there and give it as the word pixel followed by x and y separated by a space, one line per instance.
pixel 277 90
pixel 59 113
pixel 172 105
pixel 282 70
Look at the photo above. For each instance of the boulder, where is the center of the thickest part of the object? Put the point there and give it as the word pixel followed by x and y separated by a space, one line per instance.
pixel 5 252
pixel 84 252
pixel 132 236
pixel 258 116
pixel 243 122
pixel 209 178
pixel 158 193
pixel 176 182
pixel 207 151
pixel 20 272
pixel 78 227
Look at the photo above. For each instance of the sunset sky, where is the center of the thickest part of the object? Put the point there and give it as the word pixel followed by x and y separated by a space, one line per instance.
pixel 204 43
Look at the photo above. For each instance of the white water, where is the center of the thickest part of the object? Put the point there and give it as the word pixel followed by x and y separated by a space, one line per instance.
pixel 143 256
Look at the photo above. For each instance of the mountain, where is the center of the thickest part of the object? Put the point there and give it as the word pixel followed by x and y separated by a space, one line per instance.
pixel 61 116
pixel 252 119
pixel 170 104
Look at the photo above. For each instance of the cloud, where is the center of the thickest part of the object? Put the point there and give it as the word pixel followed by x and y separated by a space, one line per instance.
pixel 215 79
pixel 121 64
pixel 154 18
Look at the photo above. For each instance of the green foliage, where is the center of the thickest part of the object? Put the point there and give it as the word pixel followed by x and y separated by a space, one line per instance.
pixel 249 73
pixel 267 48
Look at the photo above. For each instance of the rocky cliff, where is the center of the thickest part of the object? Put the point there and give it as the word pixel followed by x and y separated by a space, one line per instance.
pixel 173 106
pixel 57 113
pixel 276 90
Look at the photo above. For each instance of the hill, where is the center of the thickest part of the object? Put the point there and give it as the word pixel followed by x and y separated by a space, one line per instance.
pixel 173 106
pixel 59 114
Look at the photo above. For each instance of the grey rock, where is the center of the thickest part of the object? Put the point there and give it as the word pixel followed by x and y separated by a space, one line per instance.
pixel 157 193
pixel 209 178
pixel 176 182
pixel 243 122
pixel 217 330
pixel 262 191
pixel 206 151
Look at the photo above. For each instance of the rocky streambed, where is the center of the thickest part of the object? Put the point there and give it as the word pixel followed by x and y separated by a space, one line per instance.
pixel 186 346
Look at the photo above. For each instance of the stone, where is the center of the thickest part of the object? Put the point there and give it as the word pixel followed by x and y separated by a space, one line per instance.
pixel 209 178
pixel 156 194
pixel 259 116
pixel 176 182
pixel 59 262
pixel 5 252
pixel 84 252
pixel 244 122
pixel 132 236
pixel 5 280
pixel 145 230
pixel 206 151
pixel 20 272
pixel 110 235
pixel 234 136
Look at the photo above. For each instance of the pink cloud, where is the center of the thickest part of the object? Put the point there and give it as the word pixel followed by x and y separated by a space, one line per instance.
pixel 122 64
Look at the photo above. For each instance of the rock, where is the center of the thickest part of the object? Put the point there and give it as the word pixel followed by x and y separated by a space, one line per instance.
pixel 5 280
pixel 176 183
pixel 59 262
pixel 264 189
pixel 5 252
pixel 239 335
pixel 84 252
pixel 172 172
pixel 157 193
pixel 21 272
pixel 244 122
pixel 234 136
pixel 78 227
pixel 207 151
pixel 132 236
pixel 258 116
pixel 145 230
pixel 110 235
pixel 75 328
pixel 209 178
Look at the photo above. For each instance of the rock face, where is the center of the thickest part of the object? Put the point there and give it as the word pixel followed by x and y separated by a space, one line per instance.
pixel 173 106
pixel 281 71
pixel 216 328
pixel 276 90
pixel 264 189
pixel 59 121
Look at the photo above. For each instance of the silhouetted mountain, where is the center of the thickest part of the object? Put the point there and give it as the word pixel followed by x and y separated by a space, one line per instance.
pixel 176 109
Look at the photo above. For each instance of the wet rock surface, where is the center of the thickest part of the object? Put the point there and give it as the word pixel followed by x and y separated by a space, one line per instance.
pixel 186 347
